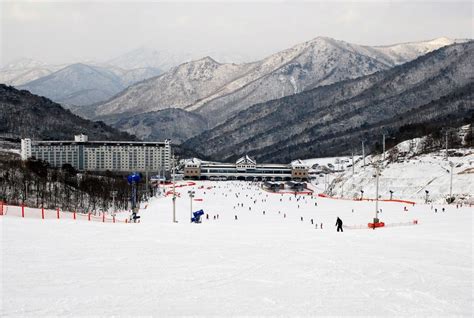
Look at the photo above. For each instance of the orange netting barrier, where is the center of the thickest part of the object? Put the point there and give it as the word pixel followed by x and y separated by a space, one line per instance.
pixel 42 213
pixel 322 195
pixel 378 225
pixel 309 192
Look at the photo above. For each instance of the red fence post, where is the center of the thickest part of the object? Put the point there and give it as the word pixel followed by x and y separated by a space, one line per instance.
pixel 74 215
pixel 89 216
pixel 42 212
pixel 57 212
pixel 22 210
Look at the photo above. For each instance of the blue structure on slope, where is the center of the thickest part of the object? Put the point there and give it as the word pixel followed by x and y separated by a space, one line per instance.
pixel 197 216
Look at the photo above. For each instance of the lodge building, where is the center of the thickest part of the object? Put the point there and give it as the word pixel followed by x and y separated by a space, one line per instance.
pixel 85 155
pixel 244 168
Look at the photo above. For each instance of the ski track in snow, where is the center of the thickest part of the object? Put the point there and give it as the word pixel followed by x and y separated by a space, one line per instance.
pixel 258 265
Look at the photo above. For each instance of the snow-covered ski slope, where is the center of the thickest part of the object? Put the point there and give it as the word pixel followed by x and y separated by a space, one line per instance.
pixel 405 171
pixel 261 264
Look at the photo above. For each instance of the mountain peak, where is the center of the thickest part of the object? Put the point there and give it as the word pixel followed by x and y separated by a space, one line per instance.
pixel 442 41
pixel 208 59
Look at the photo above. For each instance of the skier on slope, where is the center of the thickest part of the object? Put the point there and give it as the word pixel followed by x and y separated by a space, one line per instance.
pixel 339 224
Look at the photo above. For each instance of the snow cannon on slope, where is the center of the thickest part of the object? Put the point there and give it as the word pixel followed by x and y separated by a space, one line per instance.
pixel 197 216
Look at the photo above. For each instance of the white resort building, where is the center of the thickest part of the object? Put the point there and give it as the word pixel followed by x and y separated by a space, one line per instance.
pixel 83 154
pixel 244 168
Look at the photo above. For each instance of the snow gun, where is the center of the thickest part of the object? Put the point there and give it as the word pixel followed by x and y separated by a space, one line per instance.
pixel 197 216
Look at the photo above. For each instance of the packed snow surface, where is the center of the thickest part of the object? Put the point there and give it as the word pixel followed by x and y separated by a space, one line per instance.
pixel 260 264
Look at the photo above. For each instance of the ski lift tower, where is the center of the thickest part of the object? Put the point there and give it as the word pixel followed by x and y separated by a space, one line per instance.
pixel 133 180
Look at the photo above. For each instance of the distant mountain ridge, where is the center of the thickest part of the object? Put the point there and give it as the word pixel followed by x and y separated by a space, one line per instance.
pixel 83 84
pixel 167 59
pixel 217 91
pixel 436 89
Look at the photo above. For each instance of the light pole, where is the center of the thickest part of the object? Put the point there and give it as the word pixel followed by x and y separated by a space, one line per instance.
pixel 363 153
pixel 377 173
pixel 146 182
pixel 174 189
pixel 391 194
pixel 451 164
pixel 426 196
pixel 446 144
pixel 352 154
pixel 361 194
pixel 191 196
pixel 383 147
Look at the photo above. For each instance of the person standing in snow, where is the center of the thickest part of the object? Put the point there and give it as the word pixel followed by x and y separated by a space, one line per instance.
pixel 339 224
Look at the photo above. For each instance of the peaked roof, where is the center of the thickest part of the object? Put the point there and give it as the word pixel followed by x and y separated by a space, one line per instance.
pixel 246 160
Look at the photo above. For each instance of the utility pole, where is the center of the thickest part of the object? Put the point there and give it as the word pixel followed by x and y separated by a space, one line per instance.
pixel 377 173
pixel 191 196
pixel 383 146
pixel 446 145
pixel 363 152
pixel 451 164
pixel 174 189
pixel 353 163
pixel 146 182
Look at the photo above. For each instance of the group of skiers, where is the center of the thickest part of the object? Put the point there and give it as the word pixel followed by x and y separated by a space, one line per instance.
pixel 255 200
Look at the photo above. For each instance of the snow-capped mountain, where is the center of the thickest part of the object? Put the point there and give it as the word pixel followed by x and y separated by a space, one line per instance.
pixel 24 70
pixel 83 84
pixel 433 90
pixel 180 87
pixel 217 91
pixel 167 59
pixel 400 53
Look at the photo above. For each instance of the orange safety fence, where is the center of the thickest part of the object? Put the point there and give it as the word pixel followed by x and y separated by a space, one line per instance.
pixel 378 225
pixel 171 193
pixel 322 195
pixel 309 192
pixel 42 213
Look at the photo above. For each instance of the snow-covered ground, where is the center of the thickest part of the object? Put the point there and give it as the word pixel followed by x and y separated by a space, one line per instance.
pixel 337 163
pixel 269 264
pixel 410 176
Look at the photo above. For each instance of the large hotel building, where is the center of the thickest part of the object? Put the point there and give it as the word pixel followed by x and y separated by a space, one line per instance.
pixel 83 154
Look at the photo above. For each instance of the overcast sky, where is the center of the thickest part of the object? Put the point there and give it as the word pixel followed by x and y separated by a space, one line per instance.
pixel 70 31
